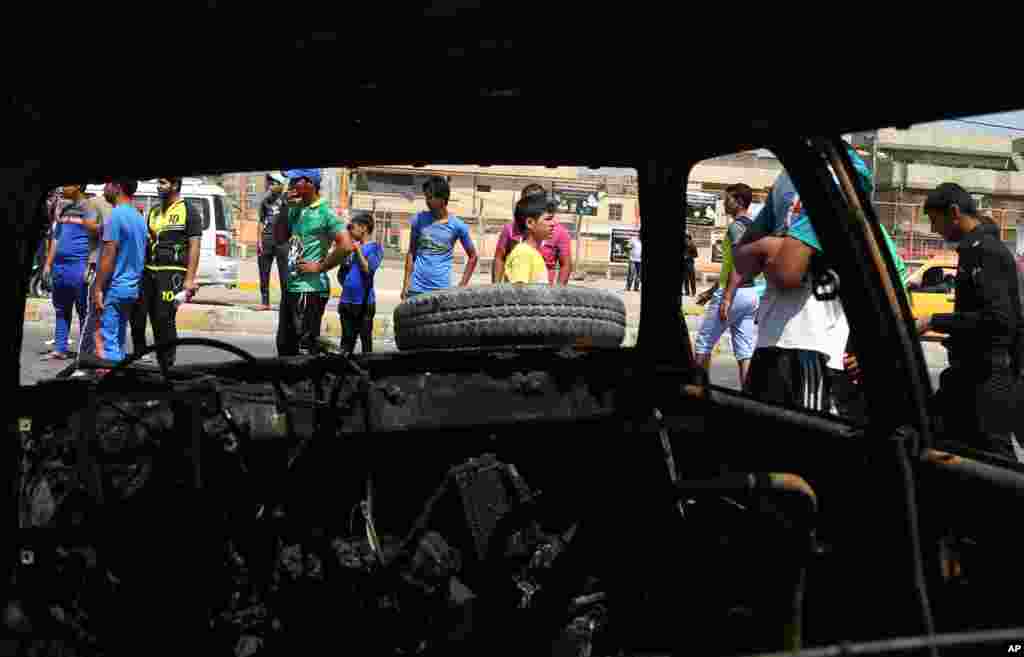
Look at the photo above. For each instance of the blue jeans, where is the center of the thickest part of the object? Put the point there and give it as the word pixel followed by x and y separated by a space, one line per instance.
pixel 741 324
pixel 110 331
pixel 633 275
pixel 69 295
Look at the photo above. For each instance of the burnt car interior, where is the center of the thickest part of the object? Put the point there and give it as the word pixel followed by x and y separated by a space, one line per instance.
pixel 539 499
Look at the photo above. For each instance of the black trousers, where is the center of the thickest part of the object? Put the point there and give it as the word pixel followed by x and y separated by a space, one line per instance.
pixel 848 400
pixel 298 325
pixel 270 255
pixel 156 303
pixel 690 278
pixel 976 404
pixel 790 377
pixel 633 275
pixel 353 326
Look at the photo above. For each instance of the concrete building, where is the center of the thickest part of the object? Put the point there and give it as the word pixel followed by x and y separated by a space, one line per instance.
pixel 911 163
pixel 485 198
pixel 246 190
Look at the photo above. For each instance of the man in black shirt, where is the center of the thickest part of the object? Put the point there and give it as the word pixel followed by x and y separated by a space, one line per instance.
pixel 690 267
pixel 273 208
pixel 976 400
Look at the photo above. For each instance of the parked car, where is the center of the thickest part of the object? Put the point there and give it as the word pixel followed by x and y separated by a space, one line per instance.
pixel 217 265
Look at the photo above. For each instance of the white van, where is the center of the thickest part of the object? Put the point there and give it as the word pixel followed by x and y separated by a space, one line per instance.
pixel 216 264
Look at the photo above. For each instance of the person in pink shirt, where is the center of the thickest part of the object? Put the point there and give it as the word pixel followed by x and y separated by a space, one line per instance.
pixel 556 251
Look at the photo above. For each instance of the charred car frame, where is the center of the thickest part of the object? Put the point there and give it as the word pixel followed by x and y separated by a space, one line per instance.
pixel 573 499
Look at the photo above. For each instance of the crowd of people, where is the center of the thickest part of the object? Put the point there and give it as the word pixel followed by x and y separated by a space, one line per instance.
pixel 794 347
pixel 297 228
pixel 117 269
pixel 114 269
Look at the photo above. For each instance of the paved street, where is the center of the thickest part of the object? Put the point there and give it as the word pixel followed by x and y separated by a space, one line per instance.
pixel 723 366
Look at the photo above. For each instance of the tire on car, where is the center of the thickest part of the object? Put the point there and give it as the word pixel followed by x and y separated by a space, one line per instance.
pixel 510 314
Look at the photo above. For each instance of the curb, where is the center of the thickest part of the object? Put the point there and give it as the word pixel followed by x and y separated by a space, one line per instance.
pixel 250 286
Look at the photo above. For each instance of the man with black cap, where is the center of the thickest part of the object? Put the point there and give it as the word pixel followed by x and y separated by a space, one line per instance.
pixel 273 208
pixel 977 392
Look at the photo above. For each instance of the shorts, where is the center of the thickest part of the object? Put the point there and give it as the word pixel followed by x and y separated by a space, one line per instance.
pixel 796 378
pixel 741 325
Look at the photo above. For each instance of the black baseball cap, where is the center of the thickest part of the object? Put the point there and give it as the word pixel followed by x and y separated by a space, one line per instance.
pixel 949 194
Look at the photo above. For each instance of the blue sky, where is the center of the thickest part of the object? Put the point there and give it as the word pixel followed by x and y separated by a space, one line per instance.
pixel 1010 119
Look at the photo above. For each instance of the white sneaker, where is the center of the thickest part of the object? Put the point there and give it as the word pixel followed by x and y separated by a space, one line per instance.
pixel 50 343
pixel 77 374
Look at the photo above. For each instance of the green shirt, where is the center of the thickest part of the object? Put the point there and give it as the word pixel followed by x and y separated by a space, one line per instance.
pixel 901 267
pixel 727 261
pixel 313 228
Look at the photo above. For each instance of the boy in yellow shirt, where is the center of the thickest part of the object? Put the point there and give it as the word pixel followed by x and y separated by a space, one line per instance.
pixel 525 264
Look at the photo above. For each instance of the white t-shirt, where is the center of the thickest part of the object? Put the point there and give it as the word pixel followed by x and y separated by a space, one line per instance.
pixel 794 318
pixel 635 249
pixel 838 335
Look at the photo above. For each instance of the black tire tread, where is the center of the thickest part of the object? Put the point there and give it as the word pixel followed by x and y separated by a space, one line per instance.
pixel 510 314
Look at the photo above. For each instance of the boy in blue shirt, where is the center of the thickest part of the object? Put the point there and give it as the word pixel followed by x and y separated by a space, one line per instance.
pixel 428 264
pixel 119 273
pixel 358 303
pixel 74 236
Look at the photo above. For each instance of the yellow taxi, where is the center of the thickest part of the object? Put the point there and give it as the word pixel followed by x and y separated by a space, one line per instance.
pixel 932 287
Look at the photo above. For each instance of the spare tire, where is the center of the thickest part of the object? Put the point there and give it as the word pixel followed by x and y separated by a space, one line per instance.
pixel 510 314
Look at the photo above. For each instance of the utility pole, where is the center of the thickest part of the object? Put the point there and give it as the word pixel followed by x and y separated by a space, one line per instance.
pixel 579 231
pixel 874 168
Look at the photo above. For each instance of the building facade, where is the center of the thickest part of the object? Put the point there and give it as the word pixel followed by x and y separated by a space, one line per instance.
pixel 907 164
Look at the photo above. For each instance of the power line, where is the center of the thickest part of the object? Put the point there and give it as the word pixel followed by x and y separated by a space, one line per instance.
pixel 989 125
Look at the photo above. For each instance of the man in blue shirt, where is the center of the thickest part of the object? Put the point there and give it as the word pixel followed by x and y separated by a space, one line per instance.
pixel 358 302
pixel 119 275
pixel 75 230
pixel 428 264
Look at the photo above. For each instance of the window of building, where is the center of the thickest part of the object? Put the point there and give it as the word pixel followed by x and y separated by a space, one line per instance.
pixel 614 212
pixel 483 188
pixel 250 188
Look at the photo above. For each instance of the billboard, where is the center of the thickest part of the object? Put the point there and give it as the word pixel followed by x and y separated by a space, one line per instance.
pixel 574 201
pixel 618 245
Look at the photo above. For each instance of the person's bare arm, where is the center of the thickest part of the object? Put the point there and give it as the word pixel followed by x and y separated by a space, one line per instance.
pixel 498 268
pixel 342 247
pixel 730 293
pixel 471 260
pixel 787 266
pixel 752 258
pixel 410 260
pixel 48 267
pixel 564 265
pixel 364 264
pixel 194 247
pixel 281 228
pixel 108 258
